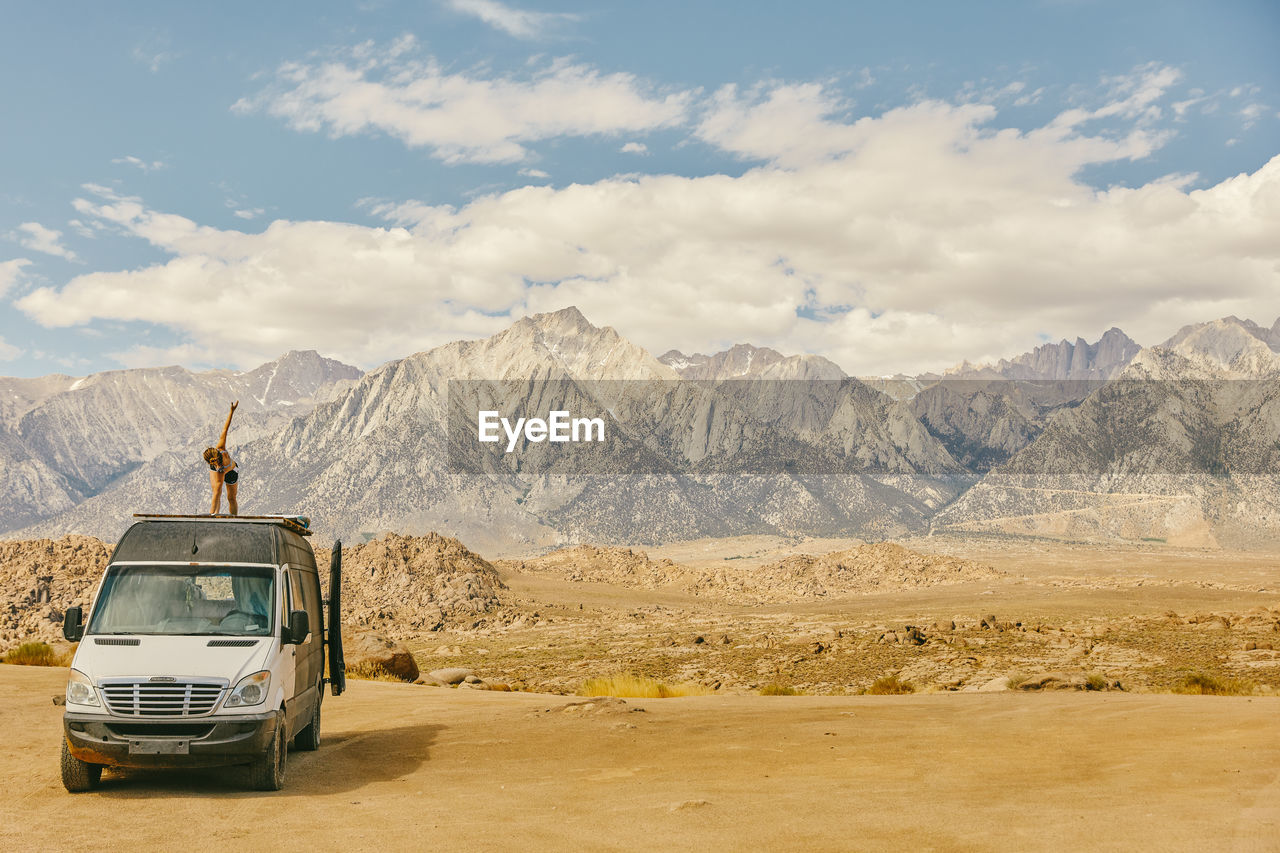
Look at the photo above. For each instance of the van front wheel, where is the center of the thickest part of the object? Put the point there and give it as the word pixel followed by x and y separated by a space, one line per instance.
pixel 78 775
pixel 267 772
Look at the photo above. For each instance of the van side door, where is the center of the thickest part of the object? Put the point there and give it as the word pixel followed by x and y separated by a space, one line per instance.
pixel 309 654
pixel 315 644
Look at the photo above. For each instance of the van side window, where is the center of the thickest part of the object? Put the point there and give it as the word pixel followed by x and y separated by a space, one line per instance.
pixel 286 602
pixel 296 595
pixel 311 594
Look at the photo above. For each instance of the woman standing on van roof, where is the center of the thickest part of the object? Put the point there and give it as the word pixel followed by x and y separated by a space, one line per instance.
pixel 222 469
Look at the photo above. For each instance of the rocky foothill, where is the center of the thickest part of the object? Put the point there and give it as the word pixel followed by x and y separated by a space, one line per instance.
pixel 625 567
pixel 878 567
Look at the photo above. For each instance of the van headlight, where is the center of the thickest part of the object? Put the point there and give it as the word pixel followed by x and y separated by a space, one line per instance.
pixel 80 690
pixel 252 690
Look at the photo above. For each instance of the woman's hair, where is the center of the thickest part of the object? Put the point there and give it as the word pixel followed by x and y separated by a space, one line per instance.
pixel 211 456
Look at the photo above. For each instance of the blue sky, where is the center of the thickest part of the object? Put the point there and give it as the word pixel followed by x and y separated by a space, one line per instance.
pixel 895 186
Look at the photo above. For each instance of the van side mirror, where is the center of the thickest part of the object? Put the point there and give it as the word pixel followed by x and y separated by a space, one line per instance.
pixel 73 624
pixel 299 627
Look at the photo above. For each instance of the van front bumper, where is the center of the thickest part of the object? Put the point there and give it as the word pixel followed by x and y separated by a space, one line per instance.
pixel 170 742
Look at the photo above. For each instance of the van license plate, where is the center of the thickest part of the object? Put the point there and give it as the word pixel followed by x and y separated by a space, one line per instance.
pixel 159 747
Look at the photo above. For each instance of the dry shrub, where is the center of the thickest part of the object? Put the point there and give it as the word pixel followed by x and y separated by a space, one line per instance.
pixel 1204 684
pixel 779 690
pixel 1096 681
pixel 1014 679
pixel 37 654
pixel 371 672
pixel 890 685
pixel 639 687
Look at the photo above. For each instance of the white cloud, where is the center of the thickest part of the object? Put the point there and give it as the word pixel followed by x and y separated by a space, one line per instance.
pixel 11 272
pixel 798 124
pixel 8 352
pixel 922 236
pixel 1135 95
pixel 86 229
pixel 461 117
pixel 1251 113
pixel 512 21
pixel 791 124
pixel 248 213
pixel 634 148
pixel 406 213
pixel 187 355
pixel 152 56
pixel 139 163
pixel 37 238
pixel 535 173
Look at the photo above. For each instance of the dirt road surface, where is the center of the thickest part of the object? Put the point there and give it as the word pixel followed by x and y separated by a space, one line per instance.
pixel 411 767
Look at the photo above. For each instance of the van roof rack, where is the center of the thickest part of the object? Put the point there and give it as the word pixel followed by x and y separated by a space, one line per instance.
pixel 300 524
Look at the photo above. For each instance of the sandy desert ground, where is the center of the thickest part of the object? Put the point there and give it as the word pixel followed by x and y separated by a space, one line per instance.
pixel 407 767
pixel 964 764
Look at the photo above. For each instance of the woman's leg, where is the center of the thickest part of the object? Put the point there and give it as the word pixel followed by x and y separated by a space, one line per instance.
pixel 215 480
pixel 232 488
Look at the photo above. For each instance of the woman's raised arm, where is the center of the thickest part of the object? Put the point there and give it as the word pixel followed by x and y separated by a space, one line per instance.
pixel 222 440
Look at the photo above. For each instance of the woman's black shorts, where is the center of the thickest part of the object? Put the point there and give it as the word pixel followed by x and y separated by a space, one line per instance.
pixel 231 477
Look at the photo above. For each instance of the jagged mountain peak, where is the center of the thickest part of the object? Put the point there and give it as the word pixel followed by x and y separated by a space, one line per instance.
pixel 745 361
pixel 295 376
pixel 740 361
pixel 1229 328
pixel 804 366
pixel 1228 348
pixel 1063 360
pixel 569 340
pixel 567 314
pixel 567 322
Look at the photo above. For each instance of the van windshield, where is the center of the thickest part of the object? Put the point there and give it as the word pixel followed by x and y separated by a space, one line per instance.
pixel 228 600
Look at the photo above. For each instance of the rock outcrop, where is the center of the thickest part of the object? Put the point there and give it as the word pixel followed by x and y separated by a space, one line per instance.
pixel 39 579
pixel 406 585
pixel 370 653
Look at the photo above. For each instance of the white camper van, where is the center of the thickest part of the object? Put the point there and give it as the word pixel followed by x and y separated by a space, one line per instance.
pixel 205 646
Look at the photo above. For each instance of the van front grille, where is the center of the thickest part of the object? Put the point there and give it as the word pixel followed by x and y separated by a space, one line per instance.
pixel 163 699
pixel 194 731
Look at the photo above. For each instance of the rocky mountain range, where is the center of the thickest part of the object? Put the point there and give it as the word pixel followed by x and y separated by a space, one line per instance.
pixel 64 440
pixel 744 441
pixel 1182 445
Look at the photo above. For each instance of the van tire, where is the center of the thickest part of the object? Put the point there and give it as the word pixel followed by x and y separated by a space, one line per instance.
pixel 77 775
pixel 308 740
pixel 266 773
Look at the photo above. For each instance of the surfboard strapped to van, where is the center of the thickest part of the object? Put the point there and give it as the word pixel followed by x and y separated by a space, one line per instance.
pixel 206 645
